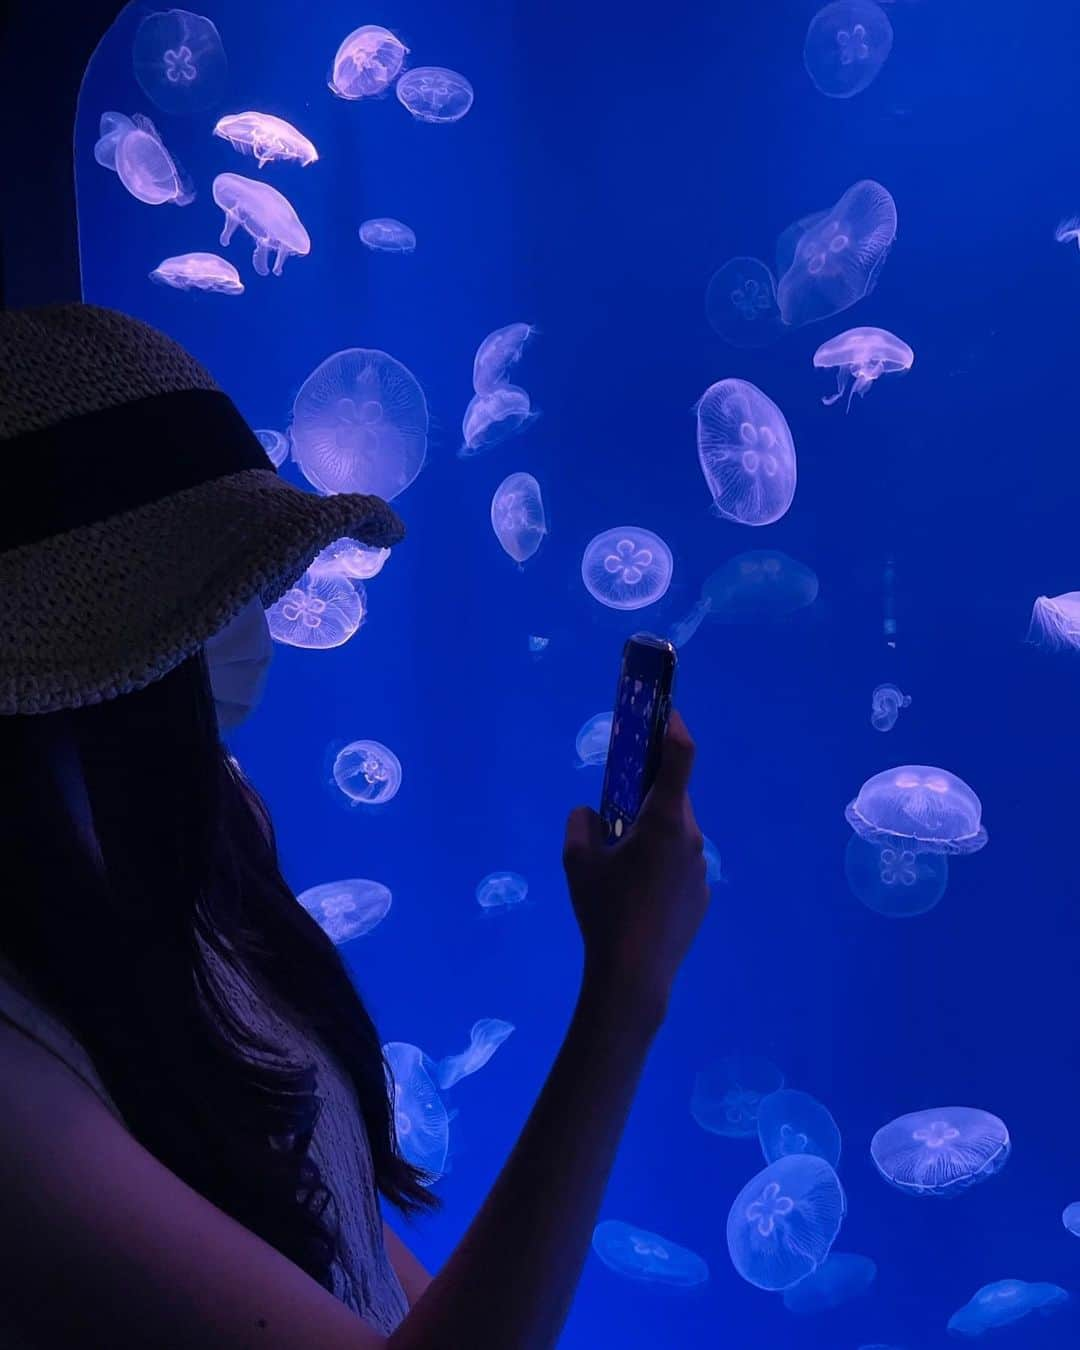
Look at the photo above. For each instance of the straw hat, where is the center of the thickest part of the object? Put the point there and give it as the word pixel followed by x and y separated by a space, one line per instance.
pixel 140 514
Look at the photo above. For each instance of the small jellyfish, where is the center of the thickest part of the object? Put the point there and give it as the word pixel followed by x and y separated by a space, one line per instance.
pixel 593 740
pixel 484 1039
pixel 497 353
pixel 319 611
pixel 266 215
pixel 384 234
pixel 847 43
pixel 784 1221
pixel 794 1122
pixel 538 644
pixel 1070 1217
pixel 367 63
pixel 179 61
pixel 434 94
pixel 919 802
pixel 627 567
pixel 199 272
pixel 1068 232
pixel 746 453
pixel 356 561
pixel 841 1278
pixel 860 356
pixel 885 704
pixel 896 879
pixel 266 137
pixel 1004 1302
pixel 360 424
pixel 1055 621
pixel 639 1255
pixel 727 1096
pixel 347 909
pixel 277 449
pixel 940 1151
pixel 740 303
pixel 838 259
pixel 367 772
pixel 682 630
pixel 132 148
pixel 517 516
pixel 759 586
pixel 501 890
pixel 421 1122
pixel 494 417
pixel 111 129
pixel 714 871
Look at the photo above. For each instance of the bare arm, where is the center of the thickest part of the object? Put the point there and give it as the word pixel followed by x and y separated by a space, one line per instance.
pixel 412 1276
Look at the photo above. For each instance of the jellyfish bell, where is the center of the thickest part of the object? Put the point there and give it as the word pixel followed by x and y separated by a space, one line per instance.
pixel 1068 231
pixel 785 1220
pixel 727 1096
pixel 320 611
pixel 435 94
pixel 112 127
pixel 266 138
pixel 484 1039
pixel 593 740
pixel 885 704
pixel 368 773
pixel 421 1121
pixel 759 586
pixel 140 160
pixel 897 878
pixel 789 1121
pixel 842 1277
pixel 941 1151
pixel 637 1254
pixel 499 351
pixel 501 890
pixel 846 45
pixel 746 453
pixel 517 516
pixel 1070 1217
pixel 493 417
pixel 179 61
pixel 199 272
pixel 349 909
pixel 277 449
pixel 627 567
pixel 266 215
pixel 740 304
pixel 356 561
pixel 789 238
pixel 860 356
pixel 1055 621
pixel 384 234
pixel 918 802
pixel 1004 1302
pixel 367 63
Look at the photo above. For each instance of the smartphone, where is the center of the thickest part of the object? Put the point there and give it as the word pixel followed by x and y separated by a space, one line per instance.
pixel 642 707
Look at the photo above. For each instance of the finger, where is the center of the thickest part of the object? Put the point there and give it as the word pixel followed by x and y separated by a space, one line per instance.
pixel 584 833
pixel 676 763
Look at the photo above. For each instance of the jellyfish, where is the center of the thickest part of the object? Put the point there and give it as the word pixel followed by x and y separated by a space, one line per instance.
pixel 919 802
pixel 593 740
pixel 319 611
pixel 132 148
pixel 493 417
pixel 860 356
pixel 537 644
pixel 847 43
pixel 682 630
pixel 199 272
pixel 740 303
pixel 627 567
pixel 940 1151
pixel 1055 621
pixel 841 1278
pixel 501 890
pixel 179 61
pixel 434 94
pixel 713 863
pixel 640 1255
pixel 384 234
pixel 367 63
pixel 360 424
pixel 746 453
pixel 517 516
pixel 789 1121
pixel 421 1121
pixel 839 258
pixel 277 449
pixel 367 772
pixel 789 238
pixel 759 586
pixel 897 879
pixel 484 1039
pixel 266 215
pixel 727 1096
pixel 112 127
pixel 885 704
pixel 356 561
pixel 266 137
pixel 1004 1302
pixel 784 1221
pixel 1070 1217
pixel 1068 232
pixel 497 353
pixel 347 909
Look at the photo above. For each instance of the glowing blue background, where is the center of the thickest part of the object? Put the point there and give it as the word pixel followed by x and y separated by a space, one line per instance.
pixel 609 164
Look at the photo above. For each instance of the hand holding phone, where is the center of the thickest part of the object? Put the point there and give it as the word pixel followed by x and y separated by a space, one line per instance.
pixel 642 708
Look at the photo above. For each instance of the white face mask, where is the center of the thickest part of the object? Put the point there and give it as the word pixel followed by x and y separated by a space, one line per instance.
pixel 239 658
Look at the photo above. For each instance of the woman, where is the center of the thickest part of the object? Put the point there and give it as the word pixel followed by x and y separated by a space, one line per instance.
pixel 196 1126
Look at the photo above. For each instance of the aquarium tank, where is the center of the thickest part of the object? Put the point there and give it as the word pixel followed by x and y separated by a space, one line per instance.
pixel 751 326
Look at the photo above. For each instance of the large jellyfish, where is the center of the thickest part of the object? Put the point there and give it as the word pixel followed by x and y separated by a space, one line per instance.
pixel 746 453
pixel 885 704
pixel 785 1220
pixel 761 585
pixel 640 1255
pixel 626 568
pixel 266 215
pixel 493 417
pixel 728 1095
pixel 266 137
pixel 847 43
pixel 838 259
pixel 1004 1302
pixel 319 611
pixel 859 357
pixel 421 1121
pixel 789 238
pixel 497 353
pixel 517 516
pixel 199 272
pixel 740 303
pixel 1055 621
pixel 593 740
pixel 789 1121
pixel 484 1039
pixel 940 1151
pixel 179 61
pixel 347 909
pixel 367 63
pixel 277 449
pixel 843 1276
pixel 360 424
pixel 384 234
pixel 896 879
pixel 501 890
pixel 1070 1217
pixel 132 148
pixel 356 561
pixel 435 94
pixel 919 802
pixel 367 772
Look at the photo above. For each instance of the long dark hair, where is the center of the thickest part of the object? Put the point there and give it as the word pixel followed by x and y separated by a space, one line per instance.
pixel 131 844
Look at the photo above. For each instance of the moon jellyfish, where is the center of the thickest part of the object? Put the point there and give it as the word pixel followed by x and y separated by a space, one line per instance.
pixel 199 272
pixel 132 148
pixel 266 137
pixel 640 1255
pixel 347 909
pixel 885 704
pixel 1068 232
pixel 538 645
pixel 713 864
pixel 759 586
pixel 794 1122
pixel 789 238
pixel 682 630
pixel 501 890
pixel 1004 1302
pixel 896 879
pixel 1055 621
pixel 593 740
pixel 367 63
pixel 847 43
pixel 727 1096
pixel 940 1151
pixel 112 127
pixel 434 94
pixel 917 801
pixel 785 1220
pixel 320 611
pixel 384 234
pixel 497 353
pixel 1070 1217
pixel 517 516
pixel 277 449
pixel 179 61
pixel 843 1277
pixel 494 417
pixel 484 1039
pixel 627 567
pixel 839 258
pixel 740 303
pixel 266 215
pixel 356 561
pixel 746 453
pixel 860 356
pixel 367 772
pixel 360 424
pixel 421 1122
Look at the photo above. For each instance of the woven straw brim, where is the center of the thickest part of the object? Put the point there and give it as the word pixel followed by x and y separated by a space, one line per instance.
pixel 108 608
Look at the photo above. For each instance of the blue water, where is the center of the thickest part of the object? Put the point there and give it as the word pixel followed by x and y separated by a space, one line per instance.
pixel 610 164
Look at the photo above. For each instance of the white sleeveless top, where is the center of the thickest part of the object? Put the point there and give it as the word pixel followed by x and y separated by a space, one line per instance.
pixel 363 1277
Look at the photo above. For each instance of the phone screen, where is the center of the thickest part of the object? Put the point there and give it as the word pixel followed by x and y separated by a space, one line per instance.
pixel 642 705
